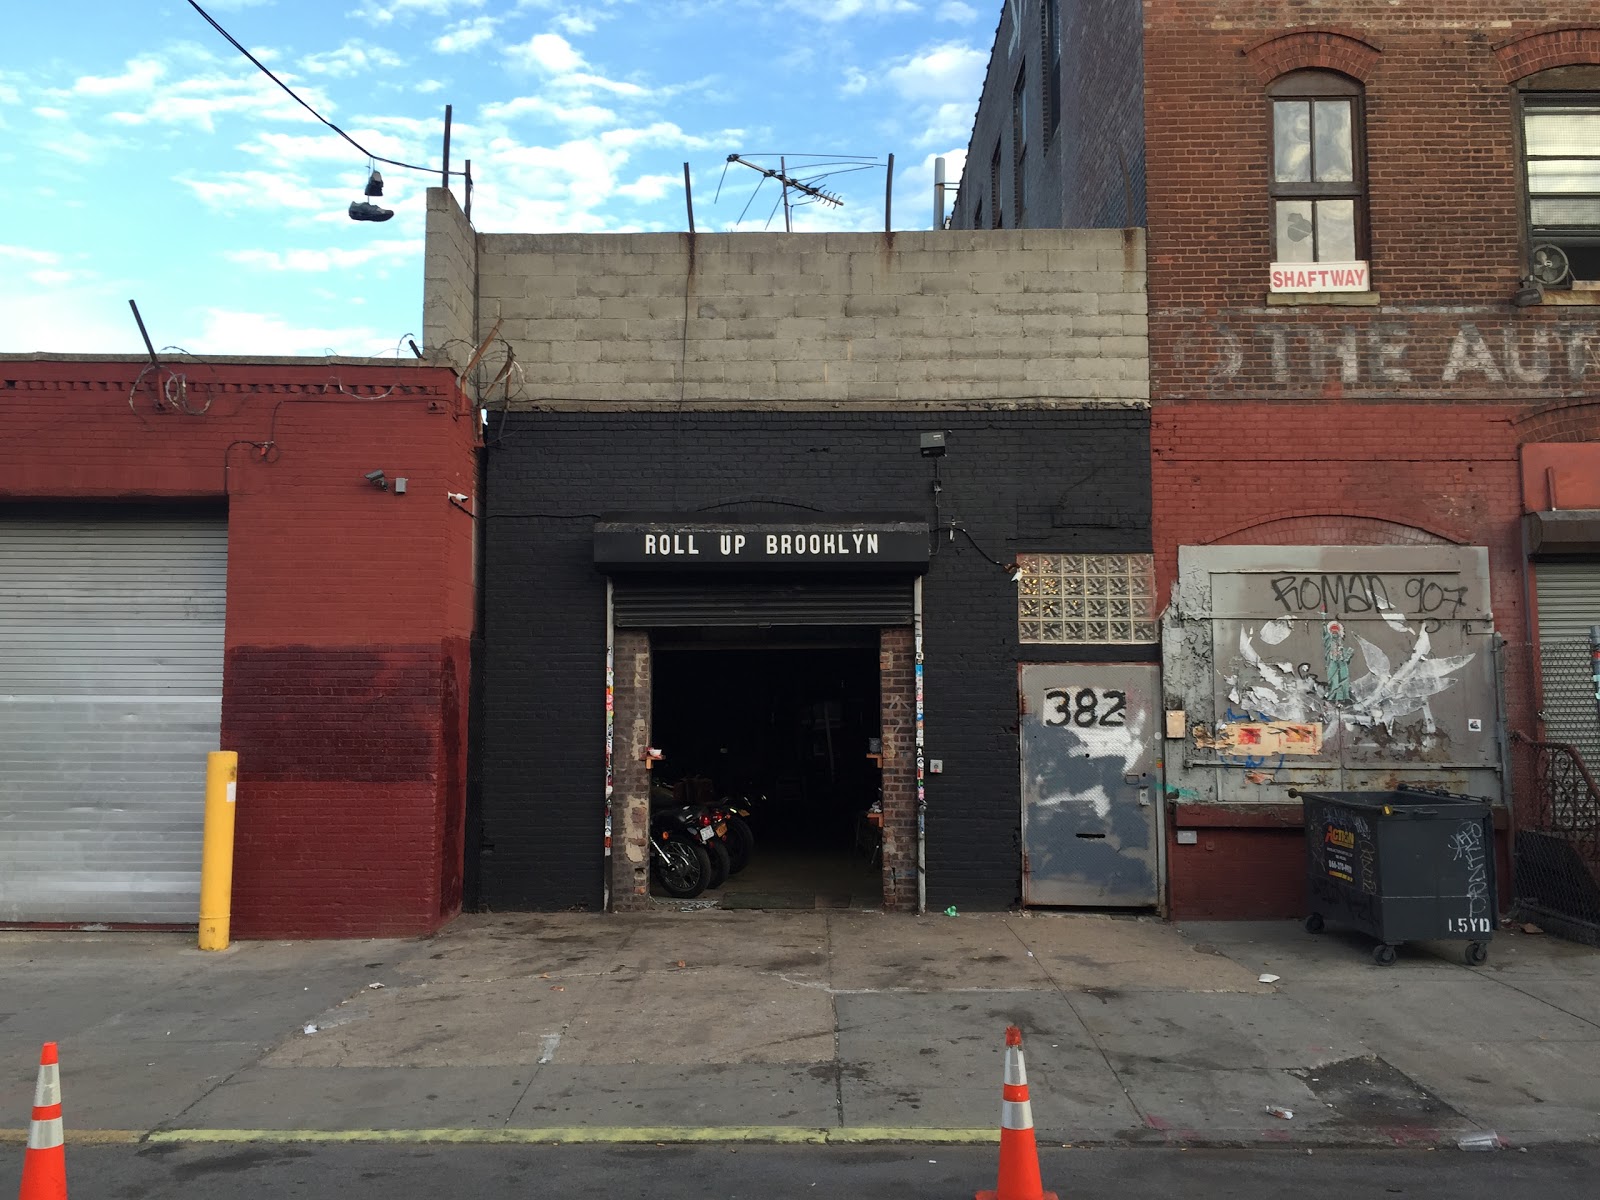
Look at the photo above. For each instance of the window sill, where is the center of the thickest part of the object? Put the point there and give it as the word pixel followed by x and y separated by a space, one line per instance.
pixel 1334 299
pixel 1575 297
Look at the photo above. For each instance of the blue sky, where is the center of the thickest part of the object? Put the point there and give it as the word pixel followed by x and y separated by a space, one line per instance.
pixel 145 158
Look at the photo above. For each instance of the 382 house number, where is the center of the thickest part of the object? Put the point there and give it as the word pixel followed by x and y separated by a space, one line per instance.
pixel 1467 925
pixel 1085 707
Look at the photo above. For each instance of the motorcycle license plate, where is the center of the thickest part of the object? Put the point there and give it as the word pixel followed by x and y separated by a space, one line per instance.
pixel 707 833
pixel 722 829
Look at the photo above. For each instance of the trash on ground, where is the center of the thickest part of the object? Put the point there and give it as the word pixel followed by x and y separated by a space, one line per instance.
pixel 1530 927
pixel 374 986
pixel 310 1029
pixel 1487 1139
pixel 1283 1114
pixel 1269 979
pixel 951 911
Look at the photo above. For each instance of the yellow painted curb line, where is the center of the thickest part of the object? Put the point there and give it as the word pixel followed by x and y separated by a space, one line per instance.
pixel 80 1137
pixel 581 1135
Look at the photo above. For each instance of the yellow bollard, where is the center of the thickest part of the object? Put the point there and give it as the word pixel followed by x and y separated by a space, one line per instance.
pixel 216 857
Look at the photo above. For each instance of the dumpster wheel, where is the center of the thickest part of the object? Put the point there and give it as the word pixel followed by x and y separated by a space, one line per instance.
pixel 1314 923
pixel 1477 954
pixel 1383 954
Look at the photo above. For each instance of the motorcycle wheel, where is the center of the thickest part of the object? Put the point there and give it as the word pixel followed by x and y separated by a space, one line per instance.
pixel 720 863
pixel 684 872
pixel 741 844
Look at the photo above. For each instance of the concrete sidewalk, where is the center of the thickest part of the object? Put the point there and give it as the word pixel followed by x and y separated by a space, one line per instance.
pixel 828 1025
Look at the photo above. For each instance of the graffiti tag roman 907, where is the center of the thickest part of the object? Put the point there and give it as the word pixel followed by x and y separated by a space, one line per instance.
pixel 1391 354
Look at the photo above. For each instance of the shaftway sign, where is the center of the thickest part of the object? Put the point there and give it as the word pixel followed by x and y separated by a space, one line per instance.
pixel 837 542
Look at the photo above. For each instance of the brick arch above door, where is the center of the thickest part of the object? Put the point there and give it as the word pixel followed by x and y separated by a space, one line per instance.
pixel 1331 529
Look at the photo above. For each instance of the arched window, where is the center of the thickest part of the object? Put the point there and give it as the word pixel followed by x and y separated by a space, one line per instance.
pixel 1561 155
pixel 1319 176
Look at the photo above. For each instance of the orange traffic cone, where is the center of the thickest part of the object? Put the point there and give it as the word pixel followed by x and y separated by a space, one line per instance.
pixel 44 1166
pixel 1019 1154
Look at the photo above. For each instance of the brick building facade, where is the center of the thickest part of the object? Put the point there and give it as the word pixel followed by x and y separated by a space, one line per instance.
pixel 683 387
pixel 1435 150
pixel 340 667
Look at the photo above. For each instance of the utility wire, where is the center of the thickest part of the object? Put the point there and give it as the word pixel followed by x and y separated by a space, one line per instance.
pixel 296 98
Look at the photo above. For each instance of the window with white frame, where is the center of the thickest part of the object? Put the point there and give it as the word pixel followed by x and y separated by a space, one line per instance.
pixel 1318 182
pixel 1561 159
pixel 1098 599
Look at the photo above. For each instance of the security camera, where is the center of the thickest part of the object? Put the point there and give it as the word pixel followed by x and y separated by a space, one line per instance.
pixel 458 497
pixel 377 479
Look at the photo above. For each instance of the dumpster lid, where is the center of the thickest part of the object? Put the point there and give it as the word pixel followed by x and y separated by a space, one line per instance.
pixel 1406 802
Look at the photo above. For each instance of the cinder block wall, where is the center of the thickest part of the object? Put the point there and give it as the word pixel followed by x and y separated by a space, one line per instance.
pixel 812 320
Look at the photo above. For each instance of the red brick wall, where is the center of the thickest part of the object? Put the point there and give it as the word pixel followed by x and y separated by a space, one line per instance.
pixel 1329 474
pixel 349 609
pixel 1446 229
pixel 897 692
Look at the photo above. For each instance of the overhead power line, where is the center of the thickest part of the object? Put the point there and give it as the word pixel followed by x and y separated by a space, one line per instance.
pixel 293 95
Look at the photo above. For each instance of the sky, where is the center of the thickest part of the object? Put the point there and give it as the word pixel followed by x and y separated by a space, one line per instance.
pixel 144 158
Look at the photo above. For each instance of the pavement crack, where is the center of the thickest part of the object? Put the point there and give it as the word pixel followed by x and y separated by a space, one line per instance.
pixel 1066 995
pixel 833 1008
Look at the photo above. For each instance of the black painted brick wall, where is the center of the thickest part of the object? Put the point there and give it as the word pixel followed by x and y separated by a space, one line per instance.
pixel 1071 480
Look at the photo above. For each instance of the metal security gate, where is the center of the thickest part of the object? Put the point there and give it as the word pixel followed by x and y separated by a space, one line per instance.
pixel 1569 603
pixel 723 602
pixel 1090 785
pixel 111 648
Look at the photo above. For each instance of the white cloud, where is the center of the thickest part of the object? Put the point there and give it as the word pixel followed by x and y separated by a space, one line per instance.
pixel 29 254
pixel 51 114
pixel 855 82
pixel 466 35
pixel 355 57
pixel 844 10
pixel 383 13
pixel 428 86
pixel 576 23
pixel 649 187
pixel 949 72
pixel 947 123
pixel 140 76
pixel 547 51
pixel 955 10
pixel 237 190
pixel 328 259
pixel 582 115
pixel 229 331
pixel 616 86
pixel 52 277
pixel 662 133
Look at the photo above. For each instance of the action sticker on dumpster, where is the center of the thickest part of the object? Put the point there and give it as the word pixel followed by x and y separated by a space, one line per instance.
pixel 1339 853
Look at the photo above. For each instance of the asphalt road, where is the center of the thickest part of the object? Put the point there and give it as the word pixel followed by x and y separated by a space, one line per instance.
pixel 355 1172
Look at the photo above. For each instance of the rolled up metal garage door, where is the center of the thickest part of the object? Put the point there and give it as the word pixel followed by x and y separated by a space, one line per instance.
pixel 111 650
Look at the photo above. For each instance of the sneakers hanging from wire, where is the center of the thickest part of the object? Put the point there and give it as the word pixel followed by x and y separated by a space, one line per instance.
pixel 365 210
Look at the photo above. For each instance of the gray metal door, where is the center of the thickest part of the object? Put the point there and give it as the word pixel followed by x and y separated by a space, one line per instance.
pixel 1090 784
pixel 111 647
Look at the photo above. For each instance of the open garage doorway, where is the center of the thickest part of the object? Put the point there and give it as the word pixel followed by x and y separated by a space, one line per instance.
pixel 789 723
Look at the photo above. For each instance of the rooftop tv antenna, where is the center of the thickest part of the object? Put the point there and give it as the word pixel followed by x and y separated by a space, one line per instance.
pixel 806 187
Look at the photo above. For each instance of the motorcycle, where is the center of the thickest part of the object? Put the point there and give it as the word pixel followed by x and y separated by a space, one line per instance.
pixel 679 860
pixel 733 813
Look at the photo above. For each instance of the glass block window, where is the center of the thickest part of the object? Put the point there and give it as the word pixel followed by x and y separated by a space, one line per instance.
pixel 1088 598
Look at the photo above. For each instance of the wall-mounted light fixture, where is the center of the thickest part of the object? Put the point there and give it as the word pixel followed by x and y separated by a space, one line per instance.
pixel 378 480
pixel 1529 294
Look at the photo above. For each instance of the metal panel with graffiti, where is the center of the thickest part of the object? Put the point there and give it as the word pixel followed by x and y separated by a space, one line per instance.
pixel 1090 784
pixel 1338 667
